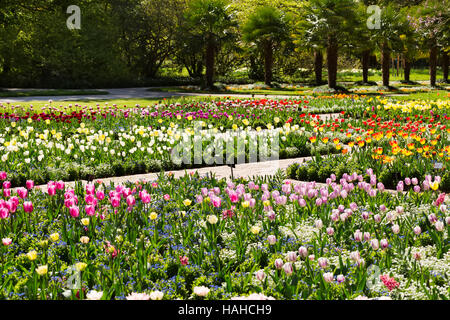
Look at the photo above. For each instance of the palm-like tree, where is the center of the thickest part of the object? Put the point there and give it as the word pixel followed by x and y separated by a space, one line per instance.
pixel 334 22
pixel 267 27
pixel 431 22
pixel 387 38
pixel 212 23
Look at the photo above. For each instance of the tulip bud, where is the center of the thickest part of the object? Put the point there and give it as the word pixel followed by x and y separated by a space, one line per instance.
pixel 396 228
pixel 384 243
pixel 278 264
pixel 288 269
pixel 303 252
pixel 260 275
pixel 375 244
pixel 417 230
pixel 291 256
pixel 272 239
pixel 328 277
pixel 330 231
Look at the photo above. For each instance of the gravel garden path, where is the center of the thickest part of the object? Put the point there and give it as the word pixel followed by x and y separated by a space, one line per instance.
pixel 133 93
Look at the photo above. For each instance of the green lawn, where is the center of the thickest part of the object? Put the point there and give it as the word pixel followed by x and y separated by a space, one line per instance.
pixel 432 95
pixel 122 103
pixel 51 92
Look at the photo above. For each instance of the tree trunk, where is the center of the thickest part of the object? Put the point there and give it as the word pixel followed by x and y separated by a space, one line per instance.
pixel 318 64
pixel 433 64
pixel 445 66
pixel 210 51
pixel 407 69
pixel 385 57
pixel 365 65
pixel 332 56
pixel 268 63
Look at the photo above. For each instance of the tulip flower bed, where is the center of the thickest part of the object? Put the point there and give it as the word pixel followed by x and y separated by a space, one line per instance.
pixel 203 238
pixel 74 142
pixel 397 139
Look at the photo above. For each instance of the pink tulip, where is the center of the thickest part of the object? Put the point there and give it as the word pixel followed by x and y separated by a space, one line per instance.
pixel 365 215
pixel 396 228
pixel 358 236
pixel 60 185
pixel 278 264
pixel 335 216
pixel 286 188
pixel 51 190
pixel 377 218
pixel 355 256
pixel 4 213
pixel 432 218
pixel 291 256
pixel 234 197
pixel 115 202
pixel 69 202
pixel 74 211
pixel 272 239
pixel 90 210
pixel 303 252
pixel 28 206
pixel 11 205
pixel 302 203
pixel 439 226
pixel 131 201
pixel 375 244
pixel 90 188
pixel 217 202
pixel 288 269
pixel 145 197
pixel 323 262
pixel 260 275
pixel 30 184
pixel 22 192
pixel 328 277
pixel 90 199
pixel 3 175
pixel 417 230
